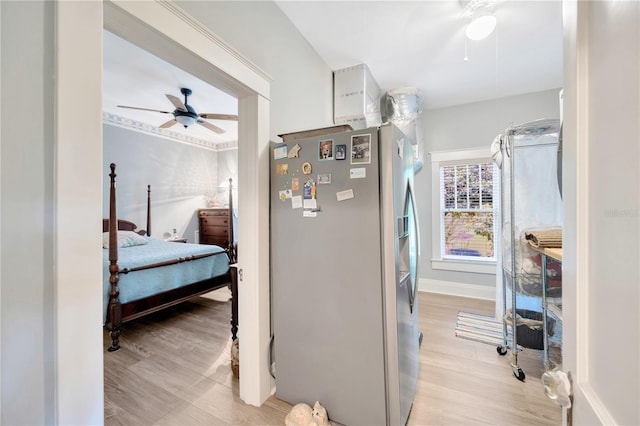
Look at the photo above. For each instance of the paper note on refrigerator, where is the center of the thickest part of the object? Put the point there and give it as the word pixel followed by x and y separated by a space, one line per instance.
pixel 344 195
pixel 358 173
pixel 296 202
pixel 310 203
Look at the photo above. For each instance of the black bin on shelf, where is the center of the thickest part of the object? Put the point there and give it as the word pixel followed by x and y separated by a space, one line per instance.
pixel 532 337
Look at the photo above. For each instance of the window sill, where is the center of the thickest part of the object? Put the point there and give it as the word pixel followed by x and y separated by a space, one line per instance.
pixel 464 266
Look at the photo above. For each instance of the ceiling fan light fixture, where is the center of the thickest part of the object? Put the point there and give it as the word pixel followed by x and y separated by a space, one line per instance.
pixel 185 120
pixel 481 26
pixel 185 115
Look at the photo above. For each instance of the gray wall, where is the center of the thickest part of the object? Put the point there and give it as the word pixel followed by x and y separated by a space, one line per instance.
pixel 470 126
pixel 27 343
pixel 182 178
pixel 302 87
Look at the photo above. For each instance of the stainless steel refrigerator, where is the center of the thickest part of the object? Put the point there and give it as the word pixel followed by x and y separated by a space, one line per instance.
pixel 344 253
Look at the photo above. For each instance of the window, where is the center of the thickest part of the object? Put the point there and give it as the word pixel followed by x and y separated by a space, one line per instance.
pixel 465 204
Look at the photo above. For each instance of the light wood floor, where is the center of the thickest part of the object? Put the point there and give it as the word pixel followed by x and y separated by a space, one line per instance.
pixel 174 369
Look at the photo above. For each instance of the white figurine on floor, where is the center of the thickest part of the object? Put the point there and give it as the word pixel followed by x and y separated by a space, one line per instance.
pixel 303 415
pixel 235 358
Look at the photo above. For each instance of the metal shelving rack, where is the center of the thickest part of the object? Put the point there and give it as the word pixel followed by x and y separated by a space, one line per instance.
pixel 530 199
pixel 550 307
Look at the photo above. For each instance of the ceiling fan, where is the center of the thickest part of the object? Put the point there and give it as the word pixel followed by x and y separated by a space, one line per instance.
pixel 185 114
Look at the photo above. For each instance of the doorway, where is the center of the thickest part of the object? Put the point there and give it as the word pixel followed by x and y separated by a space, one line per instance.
pixel 167 33
pixel 163 31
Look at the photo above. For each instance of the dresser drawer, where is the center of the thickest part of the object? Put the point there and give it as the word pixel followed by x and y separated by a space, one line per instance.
pixel 211 230
pixel 214 220
pixel 204 213
pixel 216 241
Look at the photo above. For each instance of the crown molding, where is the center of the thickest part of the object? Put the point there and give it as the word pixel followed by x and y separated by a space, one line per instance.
pixel 138 126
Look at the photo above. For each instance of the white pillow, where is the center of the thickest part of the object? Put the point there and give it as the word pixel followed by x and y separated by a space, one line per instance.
pixel 125 239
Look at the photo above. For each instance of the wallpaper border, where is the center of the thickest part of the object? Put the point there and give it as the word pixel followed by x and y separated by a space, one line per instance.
pixel 138 126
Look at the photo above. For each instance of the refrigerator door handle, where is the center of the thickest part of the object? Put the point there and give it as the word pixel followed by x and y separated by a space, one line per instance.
pixel 414 244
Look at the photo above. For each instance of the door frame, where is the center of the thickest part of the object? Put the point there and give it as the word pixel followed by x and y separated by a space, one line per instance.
pixel 167 31
pixel 590 29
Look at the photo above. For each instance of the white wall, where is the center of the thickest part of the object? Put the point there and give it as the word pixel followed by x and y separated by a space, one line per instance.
pixel 614 208
pixel 469 126
pixel 302 87
pixel 48 219
pixel 181 177
pixel 27 341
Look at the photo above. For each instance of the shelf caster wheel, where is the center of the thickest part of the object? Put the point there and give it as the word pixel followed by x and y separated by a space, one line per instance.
pixel 502 350
pixel 518 373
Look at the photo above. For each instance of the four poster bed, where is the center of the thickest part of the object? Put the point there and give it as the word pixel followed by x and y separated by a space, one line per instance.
pixel 143 274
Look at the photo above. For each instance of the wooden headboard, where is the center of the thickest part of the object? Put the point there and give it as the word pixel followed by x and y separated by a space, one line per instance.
pixel 123 225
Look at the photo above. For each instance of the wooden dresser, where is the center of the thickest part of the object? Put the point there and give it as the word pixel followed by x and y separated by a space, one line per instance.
pixel 214 226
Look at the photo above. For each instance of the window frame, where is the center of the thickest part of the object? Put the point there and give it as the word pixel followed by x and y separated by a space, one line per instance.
pixel 461 263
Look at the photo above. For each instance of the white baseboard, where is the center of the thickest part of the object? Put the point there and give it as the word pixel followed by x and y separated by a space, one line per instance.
pixel 457 289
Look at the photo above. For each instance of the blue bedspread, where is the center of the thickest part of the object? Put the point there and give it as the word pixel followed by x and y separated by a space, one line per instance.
pixel 139 284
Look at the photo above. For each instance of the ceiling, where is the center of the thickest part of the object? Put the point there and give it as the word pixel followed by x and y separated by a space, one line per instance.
pixel 422 44
pixel 417 44
pixel 134 77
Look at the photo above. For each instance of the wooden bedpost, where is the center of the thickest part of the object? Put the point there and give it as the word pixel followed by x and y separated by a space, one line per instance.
pixel 148 210
pixel 232 247
pixel 233 269
pixel 114 312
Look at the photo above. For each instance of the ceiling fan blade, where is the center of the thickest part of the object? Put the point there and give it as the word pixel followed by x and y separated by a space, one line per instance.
pixel 168 124
pixel 145 109
pixel 219 116
pixel 210 126
pixel 177 103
